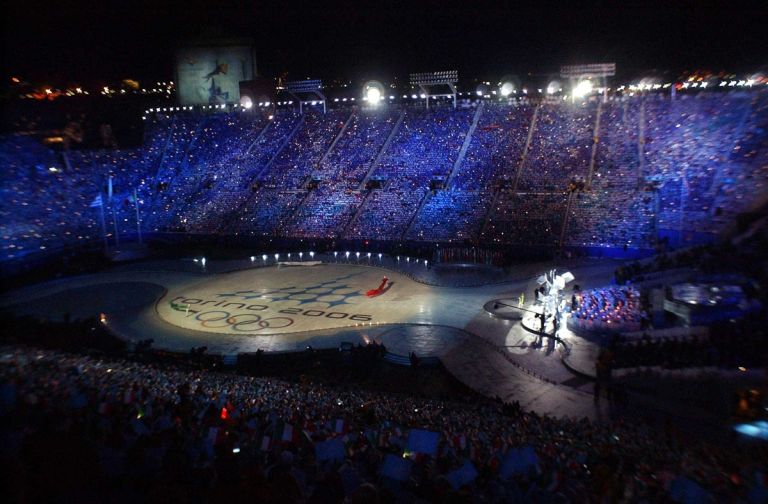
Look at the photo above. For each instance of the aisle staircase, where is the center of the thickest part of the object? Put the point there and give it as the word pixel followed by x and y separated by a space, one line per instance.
pixel 465 145
pixel 336 139
pixel 258 137
pixel 566 218
pixel 345 227
pixel 518 172
pixel 383 149
pixel 489 213
pixel 641 146
pixel 527 147
pixel 287 139
pixel 595 142
pixel 427 197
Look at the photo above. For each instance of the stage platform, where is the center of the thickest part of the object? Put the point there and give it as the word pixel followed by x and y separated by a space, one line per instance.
pixel 232 308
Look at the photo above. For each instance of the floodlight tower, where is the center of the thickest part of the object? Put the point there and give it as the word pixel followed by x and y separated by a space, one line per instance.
pixel 427 80
pixel 578 74
pixel 314 86
pixel 373 93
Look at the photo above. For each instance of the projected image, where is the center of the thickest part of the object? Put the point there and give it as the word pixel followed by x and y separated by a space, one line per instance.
pixel 211 75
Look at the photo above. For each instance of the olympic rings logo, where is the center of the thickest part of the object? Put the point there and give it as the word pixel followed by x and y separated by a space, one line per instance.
pixel 242 322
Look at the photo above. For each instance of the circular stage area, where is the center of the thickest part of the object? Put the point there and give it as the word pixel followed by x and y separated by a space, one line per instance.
pixel 425 340
pixel 292 299
pixel 505 309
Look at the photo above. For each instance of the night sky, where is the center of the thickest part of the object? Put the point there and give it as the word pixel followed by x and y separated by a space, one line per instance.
pixel 92 41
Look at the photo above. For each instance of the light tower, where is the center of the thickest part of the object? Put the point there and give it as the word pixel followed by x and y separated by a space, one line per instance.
pixel 429 80
pixel 581 76
pixel 304 87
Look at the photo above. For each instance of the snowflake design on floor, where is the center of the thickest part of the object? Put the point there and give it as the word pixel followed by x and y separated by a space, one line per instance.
pixel 331 292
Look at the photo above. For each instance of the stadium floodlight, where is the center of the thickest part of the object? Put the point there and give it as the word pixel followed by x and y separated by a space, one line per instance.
pixel 373 92
pixel 553 87
pixel 482 89
pixel 580 73
pixel 373 96
pixel 582 89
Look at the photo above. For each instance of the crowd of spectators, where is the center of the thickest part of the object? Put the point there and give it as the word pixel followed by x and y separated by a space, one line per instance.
pixel 355 151
pixel 561 146
pixel 324 213
pixel 527 218
pixel 449 216
pixel 611 309
pixel 425 147
pixel 612 218
pixel 385 214
pixel 496 147
pixel 44 204
pixel 729 345
pixel 85 428
pixel 298 159
pixel 690 164
pixel 266 211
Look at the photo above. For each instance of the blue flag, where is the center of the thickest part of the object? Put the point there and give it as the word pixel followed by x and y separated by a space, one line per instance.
pixel 396 468
pixel 423 441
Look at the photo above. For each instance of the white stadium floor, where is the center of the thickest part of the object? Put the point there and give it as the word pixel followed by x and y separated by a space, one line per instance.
pixel 287 308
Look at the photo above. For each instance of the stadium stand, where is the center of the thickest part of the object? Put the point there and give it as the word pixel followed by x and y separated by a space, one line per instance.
pixel 619 174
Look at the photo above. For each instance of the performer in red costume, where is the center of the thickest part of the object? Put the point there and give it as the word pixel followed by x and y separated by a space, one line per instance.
pixel 380 290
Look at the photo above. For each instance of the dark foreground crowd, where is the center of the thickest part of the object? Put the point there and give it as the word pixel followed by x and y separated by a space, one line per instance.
pixel 77 428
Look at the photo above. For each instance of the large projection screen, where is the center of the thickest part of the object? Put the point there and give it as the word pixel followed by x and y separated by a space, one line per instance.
pixel 212 75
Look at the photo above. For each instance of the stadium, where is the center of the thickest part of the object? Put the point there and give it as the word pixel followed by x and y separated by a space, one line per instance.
pixel 439 288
